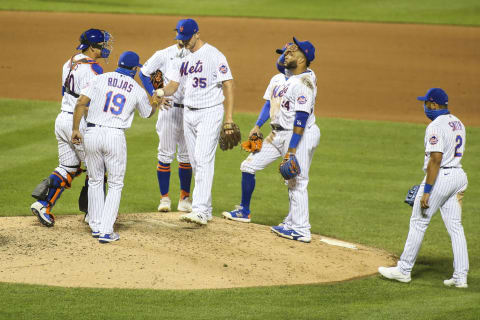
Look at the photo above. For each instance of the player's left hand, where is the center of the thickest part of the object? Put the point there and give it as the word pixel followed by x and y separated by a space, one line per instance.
pixel 76 137
pixel 424 201
pixel 289 167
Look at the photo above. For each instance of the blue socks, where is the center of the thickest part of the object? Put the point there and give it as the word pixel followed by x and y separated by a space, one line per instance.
pixel 185 175
pixel 163 176
pixel 248 185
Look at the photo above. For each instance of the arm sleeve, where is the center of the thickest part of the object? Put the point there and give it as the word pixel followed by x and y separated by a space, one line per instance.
pixel 301 118
pixel 173 70
pixel 435 140
pixel 223 69
pixel 147 84
pixel 90 89
pixel 264 114
pixel 143 106
pixel 304 98
pixel 156 62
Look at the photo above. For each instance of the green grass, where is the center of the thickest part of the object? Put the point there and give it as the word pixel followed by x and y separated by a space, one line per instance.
pixel 460 12
pixel 359 177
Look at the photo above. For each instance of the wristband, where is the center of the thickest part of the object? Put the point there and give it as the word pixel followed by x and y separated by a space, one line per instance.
pixel 294 140
pixel 427 188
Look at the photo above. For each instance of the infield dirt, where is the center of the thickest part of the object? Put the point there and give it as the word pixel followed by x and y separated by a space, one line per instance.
pixel 364 70
pixel 158 251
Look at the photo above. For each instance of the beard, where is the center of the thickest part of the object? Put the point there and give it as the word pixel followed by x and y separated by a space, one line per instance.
pixel 291 65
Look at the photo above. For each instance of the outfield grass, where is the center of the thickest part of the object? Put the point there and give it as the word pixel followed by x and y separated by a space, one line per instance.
pixel 359 177
pixel 460 12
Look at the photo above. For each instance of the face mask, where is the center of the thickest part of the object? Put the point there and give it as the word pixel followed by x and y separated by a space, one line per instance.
pixel 127 72
pixel 433 114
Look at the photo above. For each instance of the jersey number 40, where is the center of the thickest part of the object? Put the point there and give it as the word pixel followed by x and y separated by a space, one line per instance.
pixel 118 102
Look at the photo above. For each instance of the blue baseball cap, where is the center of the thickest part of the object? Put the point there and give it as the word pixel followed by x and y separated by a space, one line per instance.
pixel 179 23
pixel 436 95
pixel 307 48
pixel 281 51
pixel 186 29
pixel 129 59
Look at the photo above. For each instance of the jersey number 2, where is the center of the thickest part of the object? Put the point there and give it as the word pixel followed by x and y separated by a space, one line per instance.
pixel 459 142
pixel 118 101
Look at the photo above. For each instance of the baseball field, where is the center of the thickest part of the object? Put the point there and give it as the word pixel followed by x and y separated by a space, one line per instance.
pixel 373 59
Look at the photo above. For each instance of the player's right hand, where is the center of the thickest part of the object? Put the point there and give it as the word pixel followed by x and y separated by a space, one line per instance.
pixel 76 137
pixel 256 130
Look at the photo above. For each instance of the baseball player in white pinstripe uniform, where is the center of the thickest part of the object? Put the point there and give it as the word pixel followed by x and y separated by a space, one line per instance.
pixel 442 188
pixel 77 73
pixel 208 82
pixel 170 130
pixel 290 106
pixel 112 99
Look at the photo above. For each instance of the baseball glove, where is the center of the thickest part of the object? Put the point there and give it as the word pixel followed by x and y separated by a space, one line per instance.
pixel 411 194
pixel 254 143
pixel 229 136
pixel 157 79
pixel 289 168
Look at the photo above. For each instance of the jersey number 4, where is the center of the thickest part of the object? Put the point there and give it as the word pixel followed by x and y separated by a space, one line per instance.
pixel 118 102
pixel 459 142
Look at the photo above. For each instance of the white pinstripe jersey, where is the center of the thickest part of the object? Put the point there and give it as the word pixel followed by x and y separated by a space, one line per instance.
pixel 202 73
pixel 297 94
pixel 445 134
pixel 160 61
pixel 271 93
pixel 78 78
pixel 114 98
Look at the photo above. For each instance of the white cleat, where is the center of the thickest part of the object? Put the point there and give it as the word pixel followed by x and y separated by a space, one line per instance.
pixel 185 205
pixel 457 283
pixel 165 205
pixel 394 274
pixel 198 218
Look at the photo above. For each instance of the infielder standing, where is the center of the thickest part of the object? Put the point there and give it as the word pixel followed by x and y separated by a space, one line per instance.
pixel 442 188
pixel 77 73
pixel 241 212
pixel 208 82
pixel 112 99
pixel 170 130
pixel 290 105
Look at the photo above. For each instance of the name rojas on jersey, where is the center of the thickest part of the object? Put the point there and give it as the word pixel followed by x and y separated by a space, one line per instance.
pixel 162 60
pixel 114 98
pixel 297 93
pixel 79 76
pixel 202 73
pixel 446 134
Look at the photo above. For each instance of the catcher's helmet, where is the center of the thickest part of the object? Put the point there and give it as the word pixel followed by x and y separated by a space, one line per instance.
pixel 96 38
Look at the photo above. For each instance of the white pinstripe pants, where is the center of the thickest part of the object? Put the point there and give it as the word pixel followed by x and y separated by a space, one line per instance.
pixel 105 148
pixel 298 217
pixel 449 186
pixel 202 129
pixel 170 134
pixel 69 154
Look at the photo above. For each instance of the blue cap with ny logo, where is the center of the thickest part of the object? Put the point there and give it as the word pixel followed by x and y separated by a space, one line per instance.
pixel 186 28
pixel 436 95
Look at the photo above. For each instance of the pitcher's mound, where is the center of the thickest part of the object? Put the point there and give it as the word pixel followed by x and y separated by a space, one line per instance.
pixel 158 251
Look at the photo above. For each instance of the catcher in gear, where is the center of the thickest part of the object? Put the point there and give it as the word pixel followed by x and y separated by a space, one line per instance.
pixel 78 71
pixel 290 102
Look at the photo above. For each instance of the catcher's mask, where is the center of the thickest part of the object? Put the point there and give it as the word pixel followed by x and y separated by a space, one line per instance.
pixel 99 39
